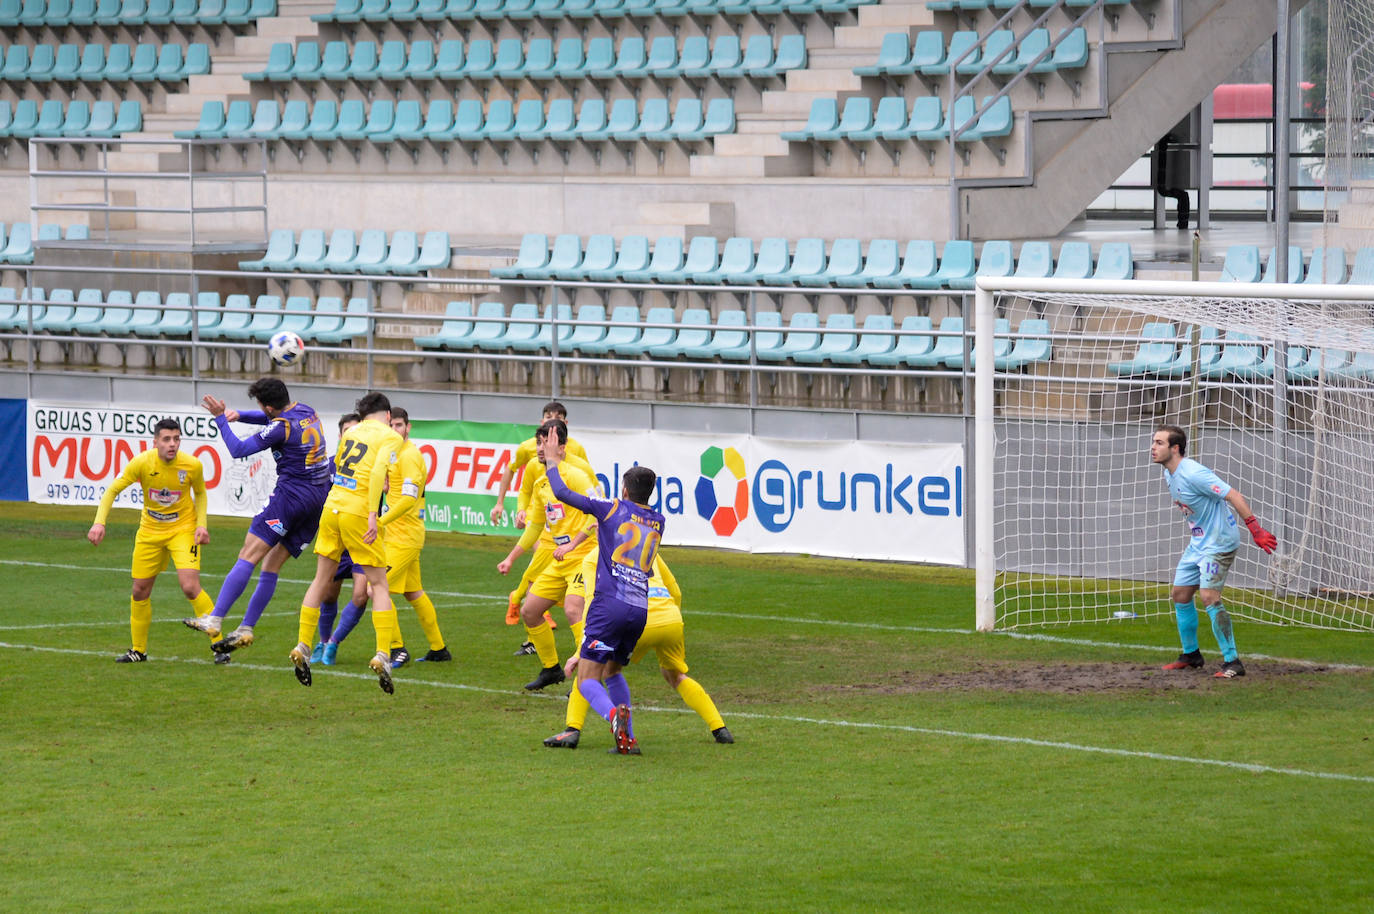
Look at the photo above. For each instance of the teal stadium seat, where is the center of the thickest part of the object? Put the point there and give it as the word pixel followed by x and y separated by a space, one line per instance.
pixel 832 344
pixel 533 255
pixel 668 257
pixel 453 333
pixel 880 263
pixel 623 330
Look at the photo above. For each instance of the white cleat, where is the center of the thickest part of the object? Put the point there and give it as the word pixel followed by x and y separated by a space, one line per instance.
pixel 208 624
pixel 381 665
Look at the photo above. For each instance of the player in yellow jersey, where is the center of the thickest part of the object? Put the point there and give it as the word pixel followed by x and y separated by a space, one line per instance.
pixel 405 537
pixel 662 635
pixel 172 525
pixel 350 520
pixel 574 535
pixel 526 457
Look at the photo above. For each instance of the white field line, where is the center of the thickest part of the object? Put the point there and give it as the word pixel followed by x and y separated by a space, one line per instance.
pixel 783 718
pixel 789 620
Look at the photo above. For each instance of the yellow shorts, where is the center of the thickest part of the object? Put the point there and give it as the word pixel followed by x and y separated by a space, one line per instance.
pixel 345 531
pixel 152 550
pixel 665 640
pixel 538 562
pixel 559 580
pixel 403 568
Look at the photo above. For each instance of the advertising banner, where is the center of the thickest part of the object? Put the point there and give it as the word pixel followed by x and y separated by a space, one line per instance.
pixel 902 502
pixel 466 461
pixel 75 452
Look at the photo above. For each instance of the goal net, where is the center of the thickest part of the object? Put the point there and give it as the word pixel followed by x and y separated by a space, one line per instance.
pixel 1347 136
pixel 1074 523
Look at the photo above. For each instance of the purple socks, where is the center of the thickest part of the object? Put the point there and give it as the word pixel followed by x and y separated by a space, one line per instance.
pixel 328 612
pixel 348 620
pixel 235 582
pixel 262 595
pixel 604 698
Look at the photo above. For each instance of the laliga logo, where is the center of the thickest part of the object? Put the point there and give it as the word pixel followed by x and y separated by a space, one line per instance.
pixel 722 492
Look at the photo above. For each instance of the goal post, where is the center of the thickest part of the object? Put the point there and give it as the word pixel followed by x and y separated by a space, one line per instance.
pixel 1274 384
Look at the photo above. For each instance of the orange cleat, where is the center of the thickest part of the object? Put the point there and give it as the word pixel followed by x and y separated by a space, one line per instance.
pixel 549 619
pixel 512 610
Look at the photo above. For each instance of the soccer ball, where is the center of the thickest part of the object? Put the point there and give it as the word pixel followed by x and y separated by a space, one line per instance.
pixel 286 348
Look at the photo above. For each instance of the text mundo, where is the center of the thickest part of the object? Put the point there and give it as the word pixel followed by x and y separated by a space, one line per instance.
pixel 779 493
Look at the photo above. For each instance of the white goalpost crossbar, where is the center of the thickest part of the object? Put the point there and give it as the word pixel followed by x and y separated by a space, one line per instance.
pixel 1093 320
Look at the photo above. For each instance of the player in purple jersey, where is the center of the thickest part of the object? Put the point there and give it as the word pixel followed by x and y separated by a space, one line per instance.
pixel 288 522
pixel 628 533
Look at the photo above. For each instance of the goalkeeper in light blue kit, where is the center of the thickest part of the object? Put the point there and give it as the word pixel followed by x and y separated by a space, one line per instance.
pixel 1206 502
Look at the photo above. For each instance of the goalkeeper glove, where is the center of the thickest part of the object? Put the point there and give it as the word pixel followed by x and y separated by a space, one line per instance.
pixel 1262 537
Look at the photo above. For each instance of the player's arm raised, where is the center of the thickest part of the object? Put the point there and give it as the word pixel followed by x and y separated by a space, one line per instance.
pixel 1265 540
pixel 272 436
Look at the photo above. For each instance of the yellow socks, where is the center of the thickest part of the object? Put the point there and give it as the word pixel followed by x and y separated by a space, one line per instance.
pixel 384 624
pixel 541 636
pixel 577 709
pixel 695 697
pixel 577 629
pixel 310 625
pixel 202 605
pixel 140 620
pixel 429 620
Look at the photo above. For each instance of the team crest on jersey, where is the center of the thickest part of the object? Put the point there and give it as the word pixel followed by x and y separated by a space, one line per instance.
pixel 164 497
pixel 1216 489
pixel 181 477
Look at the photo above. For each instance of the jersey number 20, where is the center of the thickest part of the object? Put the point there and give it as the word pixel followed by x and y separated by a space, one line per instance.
pixel 645 541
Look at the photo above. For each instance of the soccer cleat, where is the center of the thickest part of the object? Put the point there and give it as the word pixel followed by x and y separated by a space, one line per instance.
pixel 525 649
pixel 1191 661
pixel 631 748
pixel 330 652
pixel 239 637
pixel 552 624
pixel 208 624
pixel 132 656
pixel 222 659
pixel 318 653
pixel 549 675
pixel 300 658
pixel 513 609
pixel 381 665
pixel 1230 670
pixel 399 657
pixel 722 735
pixel 620 728
pixel 440 656
pixel 565 740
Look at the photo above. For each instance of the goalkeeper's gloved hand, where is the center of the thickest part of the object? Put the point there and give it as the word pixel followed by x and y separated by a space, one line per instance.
pixel 1262 537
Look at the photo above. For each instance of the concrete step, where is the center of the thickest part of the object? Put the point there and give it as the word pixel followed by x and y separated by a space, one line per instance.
pixel 282 28
pixel 694 213
pixel 850 37
pixel 219 85
pixel 843 58
pixel 252 48
pixel 797 162
pixel 791 104
pixel 823 81
pixel 751 144
pixel 766 124
pixel 892 15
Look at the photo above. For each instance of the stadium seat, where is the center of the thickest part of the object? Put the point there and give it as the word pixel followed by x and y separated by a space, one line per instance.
pixel 949 344
pixel 400 255
pixel 1031 345
pixel 1294 265
pixel 874 339
pixel 1075 261
pixel 1001 348
pixel 624 330
pixel 702 256
pixel 1114 261
pixel 845 260
pixel 919 269
pixel 667 258
pixel 452 334
pixel 585 333
pixel 995 261
pixel 1327 266
pixel 693 337
pixel 652 336
pixel 1036 260
pixel 147 314
pixel 832 345
pixel 800 338
pixel 633 255
pixel 533 255
pixel 808 262
pixel 736 258
pixel 1241 264
pixel 773 262
pixel 356 321
pixel 880 263
pixel 1362 271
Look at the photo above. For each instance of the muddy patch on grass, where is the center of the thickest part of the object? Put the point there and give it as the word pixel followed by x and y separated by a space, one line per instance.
pixel 1071 678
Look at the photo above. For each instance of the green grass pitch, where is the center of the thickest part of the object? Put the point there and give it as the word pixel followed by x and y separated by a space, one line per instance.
pixel 888 758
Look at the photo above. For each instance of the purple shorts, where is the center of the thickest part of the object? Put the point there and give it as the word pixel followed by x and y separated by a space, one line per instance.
pixel 346 570
pixel 291 517
pixel 613 630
